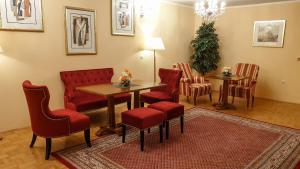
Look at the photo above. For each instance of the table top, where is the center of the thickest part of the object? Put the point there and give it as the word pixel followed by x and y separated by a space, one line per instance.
pixel 222 77
pixel 113 89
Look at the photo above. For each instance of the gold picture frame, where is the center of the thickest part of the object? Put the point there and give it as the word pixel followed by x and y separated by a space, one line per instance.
pixel 80 31
pixel 127 10
pixel 16 17
pixel 269 33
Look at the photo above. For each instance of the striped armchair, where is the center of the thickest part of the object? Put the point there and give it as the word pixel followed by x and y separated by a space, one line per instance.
pixel 243 88
pixel 192 86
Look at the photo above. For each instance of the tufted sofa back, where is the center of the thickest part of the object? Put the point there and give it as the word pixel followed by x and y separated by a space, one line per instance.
pixel 76 78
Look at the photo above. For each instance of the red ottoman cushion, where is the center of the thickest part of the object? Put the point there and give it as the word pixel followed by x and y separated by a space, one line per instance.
pixel 142 118
pixel 171 110
pixel 78 121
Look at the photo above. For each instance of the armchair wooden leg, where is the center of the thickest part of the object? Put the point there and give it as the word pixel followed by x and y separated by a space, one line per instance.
pixel 248 102
pixel 123 133
pixel 252 101
pixel 87 137
pixel 142 139
pixel 195 101
pixel 164 124
pixel 232 100
pixel 210 97
pixel 129 105
pixel 167 129
pixel 142 104
pixel 48 148
pixel 149 130
pixel 181 123
pixel 33 140
pixel 161 133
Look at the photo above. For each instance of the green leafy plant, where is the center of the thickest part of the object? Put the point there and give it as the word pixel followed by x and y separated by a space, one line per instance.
pixel 206 49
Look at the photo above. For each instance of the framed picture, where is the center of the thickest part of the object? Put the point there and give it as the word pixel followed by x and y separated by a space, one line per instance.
pixel 21 15
pixel 123 19
pixel 269 33
pixel 80 31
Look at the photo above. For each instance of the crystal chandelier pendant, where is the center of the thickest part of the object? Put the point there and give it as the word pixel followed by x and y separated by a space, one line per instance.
pixel 209 10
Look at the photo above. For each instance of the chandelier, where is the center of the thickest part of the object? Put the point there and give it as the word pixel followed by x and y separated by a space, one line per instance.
pixel 209 10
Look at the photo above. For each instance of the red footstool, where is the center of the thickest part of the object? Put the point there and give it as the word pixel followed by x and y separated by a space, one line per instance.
pixel 171 110
pixel 142 118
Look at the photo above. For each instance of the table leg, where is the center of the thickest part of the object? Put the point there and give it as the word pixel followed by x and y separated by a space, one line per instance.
pixel 111 112
pixel 111 127
pixel 136 99
pixel 224 102
pixel 225 92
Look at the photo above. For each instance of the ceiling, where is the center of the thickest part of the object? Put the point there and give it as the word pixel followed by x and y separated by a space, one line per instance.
pixel 230 2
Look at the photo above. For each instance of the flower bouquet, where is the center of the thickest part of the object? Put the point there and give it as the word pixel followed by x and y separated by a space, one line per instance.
pixel 227 71
pixel 125 78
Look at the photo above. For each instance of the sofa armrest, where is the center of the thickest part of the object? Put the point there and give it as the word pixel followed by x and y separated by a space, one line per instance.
pixel 253 83
pixel 198 79
pixel 68 104
pixel 186 80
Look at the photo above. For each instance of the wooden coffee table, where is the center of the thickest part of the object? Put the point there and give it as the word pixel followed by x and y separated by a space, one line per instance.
pixel 223 104
pixel 109 90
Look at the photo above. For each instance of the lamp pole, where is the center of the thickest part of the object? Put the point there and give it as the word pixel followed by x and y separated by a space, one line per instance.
pixel 154 44
pixel 154 67
pixel 1 51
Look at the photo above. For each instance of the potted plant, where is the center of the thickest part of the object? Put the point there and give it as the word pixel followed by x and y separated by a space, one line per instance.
pixel 206 49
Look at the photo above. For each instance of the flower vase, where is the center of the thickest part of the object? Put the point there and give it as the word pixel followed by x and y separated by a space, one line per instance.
pixel 125 83
pixel 227 74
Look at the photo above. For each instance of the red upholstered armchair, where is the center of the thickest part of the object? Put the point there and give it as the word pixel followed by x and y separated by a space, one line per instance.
pixel 170 93
pixel 82 101
pixel 51 124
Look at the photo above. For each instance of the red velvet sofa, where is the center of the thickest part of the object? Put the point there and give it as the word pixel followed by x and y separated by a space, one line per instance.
pixel 82 101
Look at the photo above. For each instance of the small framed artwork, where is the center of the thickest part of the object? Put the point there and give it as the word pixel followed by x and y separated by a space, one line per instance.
pixel 80 31
pixel 21 15
pixel 123 19
pixel 269 33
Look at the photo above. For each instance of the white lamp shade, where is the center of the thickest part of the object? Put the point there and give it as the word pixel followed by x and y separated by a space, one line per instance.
pixel 1 49
pixel 154 43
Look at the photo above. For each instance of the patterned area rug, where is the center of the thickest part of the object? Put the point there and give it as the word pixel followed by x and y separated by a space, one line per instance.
pixel 211 140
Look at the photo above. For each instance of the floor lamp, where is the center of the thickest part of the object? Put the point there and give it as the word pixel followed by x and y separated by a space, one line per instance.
pixel 1 51
pixel 154 43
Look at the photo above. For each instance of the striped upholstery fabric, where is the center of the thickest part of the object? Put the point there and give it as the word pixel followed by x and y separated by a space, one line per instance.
pixel 200 87
pixel 244 88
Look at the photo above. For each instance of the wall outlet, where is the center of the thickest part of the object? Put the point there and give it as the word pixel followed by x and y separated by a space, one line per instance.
pixel 141 57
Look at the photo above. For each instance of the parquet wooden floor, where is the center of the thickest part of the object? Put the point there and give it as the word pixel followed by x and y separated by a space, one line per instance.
pixel 16 154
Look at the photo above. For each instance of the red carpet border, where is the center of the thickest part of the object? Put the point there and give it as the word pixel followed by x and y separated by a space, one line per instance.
pixel 211 140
